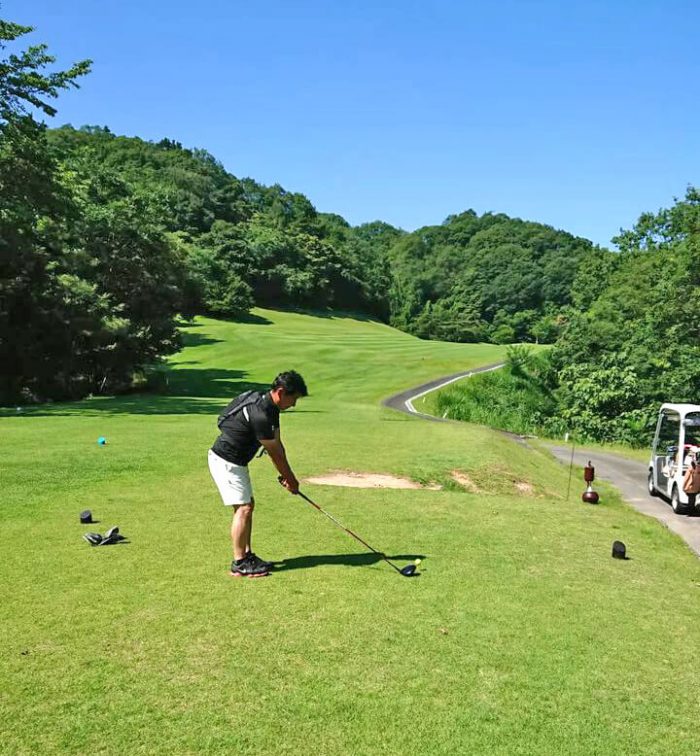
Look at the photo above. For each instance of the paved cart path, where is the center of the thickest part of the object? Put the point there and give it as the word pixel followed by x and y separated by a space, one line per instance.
pixel 403 402
pixel 627 475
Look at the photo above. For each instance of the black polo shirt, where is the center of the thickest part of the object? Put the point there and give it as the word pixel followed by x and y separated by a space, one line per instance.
pixel 241 434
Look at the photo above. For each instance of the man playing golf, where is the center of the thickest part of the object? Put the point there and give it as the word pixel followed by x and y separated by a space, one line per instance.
pixel 250 421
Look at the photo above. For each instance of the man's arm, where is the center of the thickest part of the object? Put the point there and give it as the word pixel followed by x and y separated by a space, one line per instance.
pixel 278 455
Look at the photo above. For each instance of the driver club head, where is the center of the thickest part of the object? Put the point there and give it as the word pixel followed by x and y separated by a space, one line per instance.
pixel 409 570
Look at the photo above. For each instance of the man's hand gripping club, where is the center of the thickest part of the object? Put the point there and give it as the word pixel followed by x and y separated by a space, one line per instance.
pixel 277 454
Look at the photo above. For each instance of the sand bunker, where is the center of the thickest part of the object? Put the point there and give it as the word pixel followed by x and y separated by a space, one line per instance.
pixel 363 480
pixel 377 480
pixel 498 482
pixel 465 481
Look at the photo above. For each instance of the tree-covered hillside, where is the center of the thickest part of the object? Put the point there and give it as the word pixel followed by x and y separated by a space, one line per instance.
pixel 484 278
pixel 488 278
pixel 240 243
pixel 634 340
pixel 629 341
pixel 105 241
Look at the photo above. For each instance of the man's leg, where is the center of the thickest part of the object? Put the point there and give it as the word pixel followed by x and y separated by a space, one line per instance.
pixel 241 529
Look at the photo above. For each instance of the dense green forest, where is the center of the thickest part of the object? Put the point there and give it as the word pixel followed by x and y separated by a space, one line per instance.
pixel 106 241
pixel 631 341
pixel 238 243
pixel 488 278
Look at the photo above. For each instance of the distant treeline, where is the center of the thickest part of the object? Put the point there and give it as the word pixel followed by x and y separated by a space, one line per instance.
pixel 105 241
pixel 140 232
pixel 236 243
pixel 240 244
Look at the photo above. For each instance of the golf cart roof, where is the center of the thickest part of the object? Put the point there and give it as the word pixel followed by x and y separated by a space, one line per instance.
pixel 682 409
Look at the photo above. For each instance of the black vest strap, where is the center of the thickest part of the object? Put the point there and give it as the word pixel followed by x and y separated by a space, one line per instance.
pixel 242 400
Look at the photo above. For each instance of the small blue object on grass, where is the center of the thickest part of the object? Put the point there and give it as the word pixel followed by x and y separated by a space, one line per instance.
pixel 101 440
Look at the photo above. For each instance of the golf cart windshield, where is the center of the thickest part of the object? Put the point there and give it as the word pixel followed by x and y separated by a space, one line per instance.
pixel 691 446
pixel 692 424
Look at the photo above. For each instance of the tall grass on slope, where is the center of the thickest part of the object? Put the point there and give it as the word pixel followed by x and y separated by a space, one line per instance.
pixel 512 398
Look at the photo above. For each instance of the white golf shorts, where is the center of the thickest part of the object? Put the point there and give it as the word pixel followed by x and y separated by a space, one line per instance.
pixel 233 481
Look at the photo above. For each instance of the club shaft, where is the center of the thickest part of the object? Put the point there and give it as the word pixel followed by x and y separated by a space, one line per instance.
pixel 347 530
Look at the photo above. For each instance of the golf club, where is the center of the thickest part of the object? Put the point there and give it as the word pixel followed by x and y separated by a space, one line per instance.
pixel 406 571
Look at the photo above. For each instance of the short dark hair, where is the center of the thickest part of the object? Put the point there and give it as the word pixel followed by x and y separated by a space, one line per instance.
pixel 291 382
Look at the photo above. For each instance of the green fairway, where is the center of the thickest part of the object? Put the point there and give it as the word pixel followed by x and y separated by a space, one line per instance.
pixel 520 636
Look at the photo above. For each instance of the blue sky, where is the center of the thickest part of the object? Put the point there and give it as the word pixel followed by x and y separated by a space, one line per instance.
pixel 579 115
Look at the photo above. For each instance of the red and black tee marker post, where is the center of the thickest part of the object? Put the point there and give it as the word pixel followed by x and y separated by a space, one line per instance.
pixel 589 496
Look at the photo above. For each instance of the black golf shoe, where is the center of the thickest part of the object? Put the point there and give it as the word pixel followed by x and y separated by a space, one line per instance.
pixel 257 560
pixel 248 568
pixel 112 536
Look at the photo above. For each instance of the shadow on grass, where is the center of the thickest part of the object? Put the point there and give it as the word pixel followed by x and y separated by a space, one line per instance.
pixel 253 319
pixel 348 560
pixel 189 392
pixel 208 383
pixel 185 390
pixel 327 313
pixel 247 318
pixel 196 339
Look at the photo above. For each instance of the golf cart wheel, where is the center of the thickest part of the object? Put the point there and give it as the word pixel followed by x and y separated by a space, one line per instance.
pixel 650 485
pixel 676 505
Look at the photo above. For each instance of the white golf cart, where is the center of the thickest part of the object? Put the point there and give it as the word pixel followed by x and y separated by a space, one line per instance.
pixel 676 443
